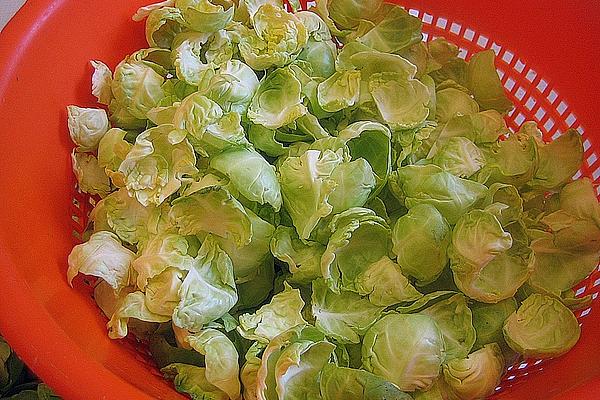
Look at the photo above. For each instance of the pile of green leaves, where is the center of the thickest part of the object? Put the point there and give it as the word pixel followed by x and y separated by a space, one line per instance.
pixel 16 381
pixel 317 204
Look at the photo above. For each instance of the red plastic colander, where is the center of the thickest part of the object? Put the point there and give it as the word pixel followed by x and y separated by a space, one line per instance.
pixel 549 60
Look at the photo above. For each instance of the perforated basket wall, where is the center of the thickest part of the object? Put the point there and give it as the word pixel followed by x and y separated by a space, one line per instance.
pixel 535 99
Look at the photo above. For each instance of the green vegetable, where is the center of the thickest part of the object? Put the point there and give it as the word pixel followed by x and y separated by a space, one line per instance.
pixel 249 371
pixel 255 291
pixel 249 259
pixel 330 197
pixel 163 353
pixel 394 32
pixel 347 383
pixel 233 87
pixel 421 240
pixel 205 15
pixel 401 102
pixel 162 26
pixel 112 150
pixel 343 316
pixel 452 102
pixel 101 82
pixel 507 201
pixel 481 128
pixel 277 101
pixel 188 63
pixel 276 40
pixel 156 164
pixel 355 181
pixel 41 392
pixel 162 291
pixel 160 253
pixel 265 140
pixel 429 184
pixel 137 87
pixel 459 156
pixel 359 238
pixel 438 391
pixel 4 355
pixel 512 161
pixel 454 319
pixel 409 370
pixel 384 284
pixel 208 291
pixel 221 359
pixel 209 129
pixel 302 257
pixel 306 185
pixel 214 210
pixel 132 306
pixel 570 251
pixel 488 320
pixel 489 264
pixel 348 13
pixel 558 161
pixel 125 216
pixel 291 364
pixel 370 141
pixel 339 91
pixel 192 380
pixel 542 327
pixel 320 56
pixel 251 175
pixel 476 376
pixel 282 313
pixel 87 126
pixel 11 368
pixel 483 81
pixel 102 256
pixel 91 177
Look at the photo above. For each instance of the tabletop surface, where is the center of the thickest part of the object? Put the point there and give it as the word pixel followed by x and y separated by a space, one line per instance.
pixel 8 8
